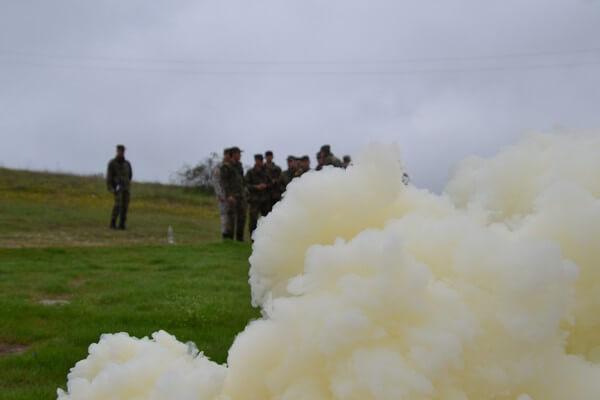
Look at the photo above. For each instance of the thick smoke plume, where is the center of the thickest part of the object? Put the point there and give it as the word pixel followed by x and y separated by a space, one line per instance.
pixel 374 290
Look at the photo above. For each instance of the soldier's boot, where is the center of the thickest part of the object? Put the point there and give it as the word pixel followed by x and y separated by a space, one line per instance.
pixel 113 223
pixel 122 224
pixel 239 238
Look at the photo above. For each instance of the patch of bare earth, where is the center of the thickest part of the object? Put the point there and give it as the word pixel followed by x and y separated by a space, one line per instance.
pixel 77 282
pixel 54 302
pixel 12 348
pixel 61 239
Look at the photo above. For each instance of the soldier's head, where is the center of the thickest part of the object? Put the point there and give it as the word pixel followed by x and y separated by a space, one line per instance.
pixel 291 162
pixel 269 156
pixel 120 151
pixel 226 154
pixel 325 150
pixel 347 161
pixel 258 161
pixel 236 154
pixel 305 162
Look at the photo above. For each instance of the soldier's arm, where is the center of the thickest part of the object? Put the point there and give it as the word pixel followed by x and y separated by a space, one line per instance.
pixel 130 171
pixel 109 177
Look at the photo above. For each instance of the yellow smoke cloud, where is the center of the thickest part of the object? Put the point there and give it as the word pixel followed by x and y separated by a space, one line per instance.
pixel 374 290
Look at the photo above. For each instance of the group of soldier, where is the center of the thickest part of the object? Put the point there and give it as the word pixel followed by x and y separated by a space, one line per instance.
pixel 253 193
pixel 256 192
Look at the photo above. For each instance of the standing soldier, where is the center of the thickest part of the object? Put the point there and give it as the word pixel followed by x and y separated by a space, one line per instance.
pixel 232 182
pixel 329 158
pixel 304 164
pixel 219 192
pixel 288 174
pixel 257 182
pixel 347 161
pixel 274 173
pixel 118 182
pixel 405 179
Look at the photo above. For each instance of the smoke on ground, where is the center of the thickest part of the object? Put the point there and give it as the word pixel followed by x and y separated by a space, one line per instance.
pixel 375 290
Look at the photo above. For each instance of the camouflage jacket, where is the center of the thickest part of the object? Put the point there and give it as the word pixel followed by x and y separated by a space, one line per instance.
pixel 300 171
pixel 232 182
pixel 333 160
pixel 285 178
pixel 119 174
pixel 255 177
pixel 274 173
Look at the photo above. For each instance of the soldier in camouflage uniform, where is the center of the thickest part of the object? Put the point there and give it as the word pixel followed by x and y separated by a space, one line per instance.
pixel 257 183
pixel 288 174
pixel 347 161
pixel 118 182
pixel 232 182
pixel 304 165
pixel 328 158
pixel 274 172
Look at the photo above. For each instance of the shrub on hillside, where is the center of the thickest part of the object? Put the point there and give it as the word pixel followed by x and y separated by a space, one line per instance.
pixel 198 176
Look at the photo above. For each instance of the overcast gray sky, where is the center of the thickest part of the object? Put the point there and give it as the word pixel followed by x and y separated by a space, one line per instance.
pixel 175 80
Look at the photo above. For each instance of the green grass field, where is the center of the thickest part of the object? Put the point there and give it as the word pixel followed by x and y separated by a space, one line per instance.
pixel 55 245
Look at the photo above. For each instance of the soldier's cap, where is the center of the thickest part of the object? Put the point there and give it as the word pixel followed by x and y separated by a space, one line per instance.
pixel 258 157
pixel 235 149
pixel 227 150
pixel 120 147
pixel 268 153
pixel 291 158
pixel 326 148
pixel 347 158
pixel 305 158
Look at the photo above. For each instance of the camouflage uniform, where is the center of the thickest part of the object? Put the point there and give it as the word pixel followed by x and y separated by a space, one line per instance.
pixel 330 159
pixel 274 173
pixel 232 183
pixel 285 178
pixel 301 171
pixel 118 178
pixel 258 200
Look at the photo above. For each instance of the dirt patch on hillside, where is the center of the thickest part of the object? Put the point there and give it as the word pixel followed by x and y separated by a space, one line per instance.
pixel 12 348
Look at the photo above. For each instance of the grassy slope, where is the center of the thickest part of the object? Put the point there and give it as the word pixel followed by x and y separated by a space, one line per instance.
pixel 44 209
pixel 114 281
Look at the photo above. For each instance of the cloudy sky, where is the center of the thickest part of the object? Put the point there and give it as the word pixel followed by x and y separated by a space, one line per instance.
pixel 176 80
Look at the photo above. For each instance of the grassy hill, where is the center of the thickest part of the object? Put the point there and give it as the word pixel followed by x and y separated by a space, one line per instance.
pixel 65 278
pixel 48 209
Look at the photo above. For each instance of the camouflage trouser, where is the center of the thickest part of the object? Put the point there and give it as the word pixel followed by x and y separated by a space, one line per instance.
pixel 223 214
pixel 236 219
pixel 121 206
pixel 256 209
